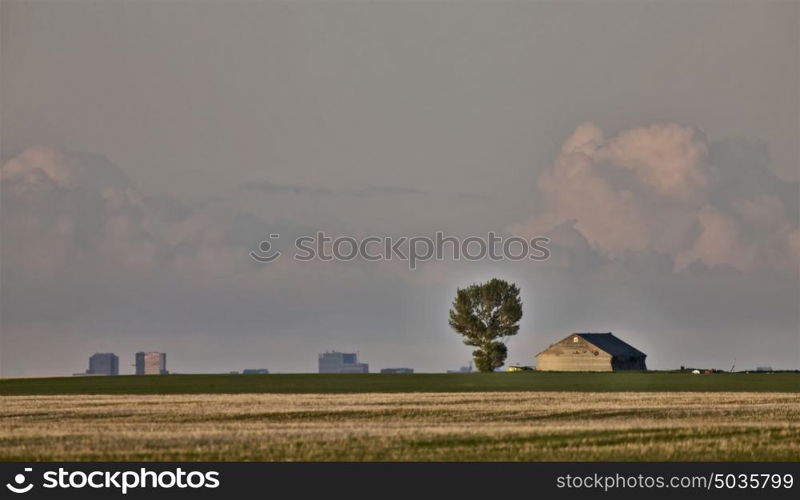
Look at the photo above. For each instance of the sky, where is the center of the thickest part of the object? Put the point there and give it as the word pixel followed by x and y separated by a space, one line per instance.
pixel 148 147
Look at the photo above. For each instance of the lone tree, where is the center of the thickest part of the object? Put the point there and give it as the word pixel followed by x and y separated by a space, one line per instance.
pixel 487 314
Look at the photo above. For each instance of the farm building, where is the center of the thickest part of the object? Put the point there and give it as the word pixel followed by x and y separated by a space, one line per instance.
pixel 590 352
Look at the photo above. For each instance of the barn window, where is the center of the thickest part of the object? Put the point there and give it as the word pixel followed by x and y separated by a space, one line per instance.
pixel 575 339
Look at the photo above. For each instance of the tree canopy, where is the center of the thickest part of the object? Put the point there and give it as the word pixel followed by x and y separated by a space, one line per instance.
pixel 486 315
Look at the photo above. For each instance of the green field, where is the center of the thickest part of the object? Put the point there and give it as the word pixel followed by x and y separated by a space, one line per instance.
pixel 473 382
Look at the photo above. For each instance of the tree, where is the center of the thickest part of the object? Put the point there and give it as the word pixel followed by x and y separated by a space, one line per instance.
pixel 487 314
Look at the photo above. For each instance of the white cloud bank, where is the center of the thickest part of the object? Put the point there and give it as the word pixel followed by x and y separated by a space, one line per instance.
pixel 658 189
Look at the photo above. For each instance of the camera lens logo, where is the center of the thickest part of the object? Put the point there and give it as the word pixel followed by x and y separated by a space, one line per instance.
pixel 263 254
pixel 19 479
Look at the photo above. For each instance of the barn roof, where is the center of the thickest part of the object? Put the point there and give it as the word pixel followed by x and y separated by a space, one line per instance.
pixel 610 344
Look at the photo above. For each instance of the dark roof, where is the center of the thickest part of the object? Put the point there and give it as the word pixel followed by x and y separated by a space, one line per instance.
pixel 610 344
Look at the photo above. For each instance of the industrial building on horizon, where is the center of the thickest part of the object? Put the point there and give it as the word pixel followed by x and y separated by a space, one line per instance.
pixel 103 363
pixel 151 363
pixel 397 370
pixel 341 362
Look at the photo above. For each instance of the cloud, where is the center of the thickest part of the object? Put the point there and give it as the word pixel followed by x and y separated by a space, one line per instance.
pixel 378 191
pixel 74 224
pixel 661 189
pixel 270 187
pixel 718 242
pixel 667 158
pixel 77 217
pixel 38 166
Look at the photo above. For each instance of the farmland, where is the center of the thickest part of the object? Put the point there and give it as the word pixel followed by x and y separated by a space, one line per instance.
pixel 585 426
pixel 496 416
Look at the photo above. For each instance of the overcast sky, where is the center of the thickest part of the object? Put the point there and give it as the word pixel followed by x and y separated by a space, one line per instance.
pixel 148 147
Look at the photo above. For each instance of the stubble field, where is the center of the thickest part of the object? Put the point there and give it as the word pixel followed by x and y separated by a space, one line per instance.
pixel 585 426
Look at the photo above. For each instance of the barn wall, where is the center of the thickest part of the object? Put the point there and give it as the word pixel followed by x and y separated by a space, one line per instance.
pixel 573 362
pixel 568 355
pixel 628 363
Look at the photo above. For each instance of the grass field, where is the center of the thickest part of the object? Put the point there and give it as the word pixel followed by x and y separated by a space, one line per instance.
pixel 585 426
pixel 496 416
pixel 473 382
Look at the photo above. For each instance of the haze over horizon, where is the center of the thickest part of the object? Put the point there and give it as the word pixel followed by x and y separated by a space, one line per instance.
pixel 147 148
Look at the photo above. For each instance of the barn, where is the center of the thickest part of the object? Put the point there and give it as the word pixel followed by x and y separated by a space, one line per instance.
pixel 590 352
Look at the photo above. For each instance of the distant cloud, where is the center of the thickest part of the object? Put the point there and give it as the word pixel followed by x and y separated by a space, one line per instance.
pixel 660 189
pixel 70 212
pixel 74 219
pixel 270 187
